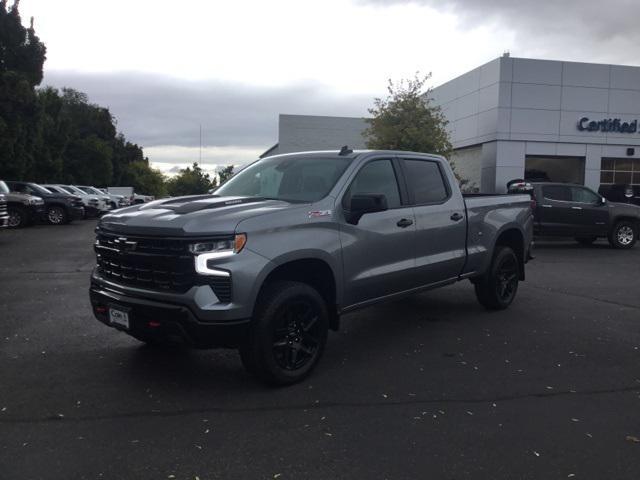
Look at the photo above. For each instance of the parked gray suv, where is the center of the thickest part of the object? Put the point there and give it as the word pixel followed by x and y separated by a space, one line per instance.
pixel 270 262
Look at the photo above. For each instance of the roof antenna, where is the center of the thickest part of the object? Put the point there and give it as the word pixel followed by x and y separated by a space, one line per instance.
pixel 345 150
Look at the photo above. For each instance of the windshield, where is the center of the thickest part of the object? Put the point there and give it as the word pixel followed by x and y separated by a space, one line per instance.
pixel 293 179
pixel 3 187
pixel 69 189
pixel 86 189
pixel 95 191
pixel 39 188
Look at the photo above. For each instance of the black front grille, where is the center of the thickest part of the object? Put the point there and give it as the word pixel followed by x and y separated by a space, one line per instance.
pixel 3 207
pixel 153 263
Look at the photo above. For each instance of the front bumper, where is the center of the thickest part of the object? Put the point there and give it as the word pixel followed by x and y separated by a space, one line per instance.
pixel 76 213
pixel 153 319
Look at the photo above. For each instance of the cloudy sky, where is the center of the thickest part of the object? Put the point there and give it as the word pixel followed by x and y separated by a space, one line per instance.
pixel 168 68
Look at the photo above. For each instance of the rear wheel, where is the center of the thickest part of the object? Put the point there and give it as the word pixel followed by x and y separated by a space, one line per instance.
pixel 287 335
pixel 497 289
pixel 57 215
pixel 623 234
pixel 586 240
pixel 18 217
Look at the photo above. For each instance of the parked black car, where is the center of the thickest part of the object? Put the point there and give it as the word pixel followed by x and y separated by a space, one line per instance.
pixel 621 193
pixel 23 209
pixel 568 210
pixel 58 208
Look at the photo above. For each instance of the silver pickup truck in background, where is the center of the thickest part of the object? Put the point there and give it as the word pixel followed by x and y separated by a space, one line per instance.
pixel 270 262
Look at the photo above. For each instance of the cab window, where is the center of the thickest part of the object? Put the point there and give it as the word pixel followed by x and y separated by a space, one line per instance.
pixel 425 181
pixel 376 177
pixel 583 195
pixel 557 192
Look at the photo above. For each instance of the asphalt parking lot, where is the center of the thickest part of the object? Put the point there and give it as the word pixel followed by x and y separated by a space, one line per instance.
pixel 428 387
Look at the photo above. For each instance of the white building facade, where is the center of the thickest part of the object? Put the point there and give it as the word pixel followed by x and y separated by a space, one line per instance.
pixel 520 118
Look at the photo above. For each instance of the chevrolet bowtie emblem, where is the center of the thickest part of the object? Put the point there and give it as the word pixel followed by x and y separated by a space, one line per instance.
pixel 125 245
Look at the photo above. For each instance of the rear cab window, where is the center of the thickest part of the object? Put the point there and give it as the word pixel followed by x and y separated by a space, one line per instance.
pixel 425 181
pixel 559 193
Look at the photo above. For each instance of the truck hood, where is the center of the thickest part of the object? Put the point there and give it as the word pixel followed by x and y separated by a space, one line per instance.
pixel 200 215
pixel 618 209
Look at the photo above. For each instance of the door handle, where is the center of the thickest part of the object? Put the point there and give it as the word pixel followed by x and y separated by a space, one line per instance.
pixel 576 208
pixel 404 223
pixel 456 217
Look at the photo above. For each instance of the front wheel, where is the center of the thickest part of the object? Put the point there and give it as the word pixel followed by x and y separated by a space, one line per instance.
pixel 287 335
pixel 57 215
pixel 498 287
pixel 18 217
pixel 623 234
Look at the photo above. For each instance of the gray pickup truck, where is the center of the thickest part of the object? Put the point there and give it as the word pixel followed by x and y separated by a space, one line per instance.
pixel 270 262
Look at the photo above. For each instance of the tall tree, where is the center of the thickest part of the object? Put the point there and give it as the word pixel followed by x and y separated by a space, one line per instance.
pixel 190 181
pixel 407 120
pixel 22 56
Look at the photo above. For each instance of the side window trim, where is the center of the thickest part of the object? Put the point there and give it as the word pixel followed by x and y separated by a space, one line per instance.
pixel 398 176
pixel 410 193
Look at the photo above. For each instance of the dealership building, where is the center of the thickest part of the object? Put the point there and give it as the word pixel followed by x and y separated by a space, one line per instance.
pixel 516 117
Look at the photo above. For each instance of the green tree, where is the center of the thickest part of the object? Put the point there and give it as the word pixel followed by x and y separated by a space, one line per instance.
pixel 144 179
pixel 225 174
pixel 407 120
pixel 22 56
pixel 190 181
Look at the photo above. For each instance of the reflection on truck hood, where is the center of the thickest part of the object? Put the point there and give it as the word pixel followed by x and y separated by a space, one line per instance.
pixel 194 215
pixel 618 209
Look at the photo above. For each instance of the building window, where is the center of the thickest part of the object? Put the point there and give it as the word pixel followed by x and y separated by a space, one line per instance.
pixel 620 171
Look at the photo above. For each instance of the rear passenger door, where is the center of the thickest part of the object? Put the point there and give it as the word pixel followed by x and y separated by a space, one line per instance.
pixel 555 213
pixel 441 231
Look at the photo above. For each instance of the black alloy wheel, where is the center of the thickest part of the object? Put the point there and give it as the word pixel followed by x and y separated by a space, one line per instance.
pixel 287 334
pixel 295 339
pixel 18 218
pixel 498 288
pixel 56 215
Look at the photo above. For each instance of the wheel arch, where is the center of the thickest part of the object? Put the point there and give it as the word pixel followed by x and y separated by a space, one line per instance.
pixel 626 218
pixel 311 269
pixel 512 236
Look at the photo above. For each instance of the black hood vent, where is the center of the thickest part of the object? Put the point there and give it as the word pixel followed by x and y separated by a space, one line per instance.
pixel 184 205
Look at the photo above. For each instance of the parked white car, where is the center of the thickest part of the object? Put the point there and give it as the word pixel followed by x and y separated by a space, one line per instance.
pixel 115 201
pixel 93 205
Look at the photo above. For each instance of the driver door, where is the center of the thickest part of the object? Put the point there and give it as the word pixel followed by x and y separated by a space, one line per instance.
pixel 378 252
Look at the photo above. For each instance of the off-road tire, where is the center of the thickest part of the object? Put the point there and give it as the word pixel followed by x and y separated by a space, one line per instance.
pixel 287 334
pixel 498 287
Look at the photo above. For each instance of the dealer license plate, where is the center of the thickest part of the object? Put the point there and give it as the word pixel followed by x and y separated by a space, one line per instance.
pixel 118 317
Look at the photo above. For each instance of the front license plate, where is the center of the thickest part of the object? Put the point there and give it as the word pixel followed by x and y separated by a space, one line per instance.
pixel 118 317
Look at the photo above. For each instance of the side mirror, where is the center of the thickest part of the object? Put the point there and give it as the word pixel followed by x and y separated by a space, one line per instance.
pixel 365 203
pixel 603 201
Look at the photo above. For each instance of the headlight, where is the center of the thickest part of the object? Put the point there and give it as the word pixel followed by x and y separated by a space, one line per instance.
pixel 215 249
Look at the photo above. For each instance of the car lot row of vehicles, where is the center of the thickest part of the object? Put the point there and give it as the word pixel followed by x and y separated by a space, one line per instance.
pixel 25 203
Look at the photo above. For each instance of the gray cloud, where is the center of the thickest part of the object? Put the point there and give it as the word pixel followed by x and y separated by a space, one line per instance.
pixel 586 30
pixel 156 110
